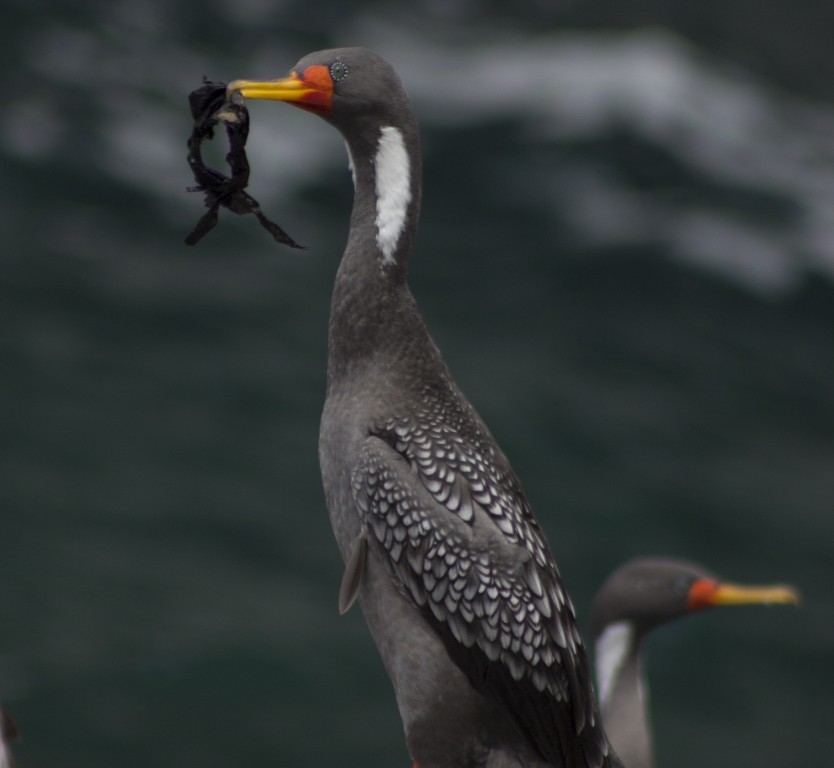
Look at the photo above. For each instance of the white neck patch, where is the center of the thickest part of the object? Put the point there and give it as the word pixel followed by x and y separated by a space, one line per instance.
pixel 612 648
pixel 393 190
pixel 351 166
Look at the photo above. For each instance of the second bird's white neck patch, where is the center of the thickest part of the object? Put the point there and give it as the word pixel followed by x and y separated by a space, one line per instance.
pixel 393 190
pixel 612 649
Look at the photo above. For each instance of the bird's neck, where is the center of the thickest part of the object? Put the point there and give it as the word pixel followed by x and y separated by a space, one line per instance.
pixel 372 309
pixel 623 694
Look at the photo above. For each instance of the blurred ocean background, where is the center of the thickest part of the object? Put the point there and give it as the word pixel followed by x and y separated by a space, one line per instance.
pixel 626 254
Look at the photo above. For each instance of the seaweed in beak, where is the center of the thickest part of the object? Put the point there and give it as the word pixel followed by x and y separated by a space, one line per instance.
pixel 210 106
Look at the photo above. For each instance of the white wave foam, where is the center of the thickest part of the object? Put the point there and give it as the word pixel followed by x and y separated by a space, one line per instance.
pixel 729 128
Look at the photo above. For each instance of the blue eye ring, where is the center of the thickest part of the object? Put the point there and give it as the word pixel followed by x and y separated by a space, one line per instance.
pixel 338 71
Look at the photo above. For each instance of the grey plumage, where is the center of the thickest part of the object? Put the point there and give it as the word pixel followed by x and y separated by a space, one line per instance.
pixel 451 569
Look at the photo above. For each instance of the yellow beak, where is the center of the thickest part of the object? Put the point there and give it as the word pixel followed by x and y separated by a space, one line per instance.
pixel 734 594
pixel 706 592
pixel 311 92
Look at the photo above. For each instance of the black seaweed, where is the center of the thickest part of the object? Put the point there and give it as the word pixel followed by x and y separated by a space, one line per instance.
pixel 210 106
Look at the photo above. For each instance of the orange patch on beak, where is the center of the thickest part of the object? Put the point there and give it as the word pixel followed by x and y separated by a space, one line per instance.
pixel 320 99
pixel 701 594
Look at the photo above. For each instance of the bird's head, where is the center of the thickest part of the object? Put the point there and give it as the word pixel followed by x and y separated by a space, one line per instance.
pixel 346 86
pixel 647 592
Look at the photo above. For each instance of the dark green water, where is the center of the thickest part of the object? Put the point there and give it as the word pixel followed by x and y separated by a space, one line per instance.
pixel 634 289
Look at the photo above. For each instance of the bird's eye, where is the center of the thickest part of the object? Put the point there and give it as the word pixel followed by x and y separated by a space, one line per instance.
pixel 338 71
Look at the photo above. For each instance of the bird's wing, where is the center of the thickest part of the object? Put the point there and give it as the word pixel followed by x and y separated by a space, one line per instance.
pixel 467 550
